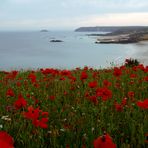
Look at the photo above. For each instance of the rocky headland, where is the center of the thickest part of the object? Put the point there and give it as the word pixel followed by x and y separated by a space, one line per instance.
pixel 117 34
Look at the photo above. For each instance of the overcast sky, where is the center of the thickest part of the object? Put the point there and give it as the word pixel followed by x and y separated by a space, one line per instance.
pixel 70 14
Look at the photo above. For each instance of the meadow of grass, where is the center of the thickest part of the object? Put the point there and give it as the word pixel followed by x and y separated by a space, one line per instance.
pixel 52 108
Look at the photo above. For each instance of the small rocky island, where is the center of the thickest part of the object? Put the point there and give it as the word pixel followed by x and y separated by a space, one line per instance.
pixel 43 30
pixel 56 41
pixel 117 34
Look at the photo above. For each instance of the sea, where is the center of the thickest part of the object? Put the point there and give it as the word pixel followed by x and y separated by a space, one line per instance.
pixel 33 50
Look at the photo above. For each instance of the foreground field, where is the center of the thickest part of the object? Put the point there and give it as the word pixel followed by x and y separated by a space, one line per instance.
pixel 51 108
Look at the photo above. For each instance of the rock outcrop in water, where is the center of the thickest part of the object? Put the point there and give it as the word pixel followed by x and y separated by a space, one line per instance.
pixel 56 41
pixel 44 30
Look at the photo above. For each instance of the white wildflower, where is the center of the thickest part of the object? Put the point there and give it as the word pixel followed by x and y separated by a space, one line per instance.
pixel 92 129
pixel 6 118
pixel 83 114
pixel 65 119
pixel 49 132
pixel 3 117
pixel 62 130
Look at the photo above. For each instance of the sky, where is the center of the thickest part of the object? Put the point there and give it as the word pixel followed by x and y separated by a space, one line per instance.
pixel 71 14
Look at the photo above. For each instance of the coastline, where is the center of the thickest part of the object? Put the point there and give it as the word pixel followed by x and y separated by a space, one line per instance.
pixel 121 38
pixel 118 34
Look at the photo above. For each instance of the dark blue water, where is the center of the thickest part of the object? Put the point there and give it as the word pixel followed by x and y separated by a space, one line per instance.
pixel 34 50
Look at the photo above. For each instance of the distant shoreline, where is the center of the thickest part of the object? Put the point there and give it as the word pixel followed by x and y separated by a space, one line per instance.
pixel 121 39
pixel 118 34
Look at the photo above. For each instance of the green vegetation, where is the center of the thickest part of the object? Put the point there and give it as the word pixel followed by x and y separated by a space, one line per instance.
pixel 50 108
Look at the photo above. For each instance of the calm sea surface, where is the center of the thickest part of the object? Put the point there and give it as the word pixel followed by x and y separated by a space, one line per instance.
pixel 34 50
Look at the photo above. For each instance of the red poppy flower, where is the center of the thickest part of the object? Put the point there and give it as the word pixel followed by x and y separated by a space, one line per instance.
pixel 92 84
pixel 132 76
pixel 118 85
pixel 65 93
pixel 35 122
pixel 21 102
pixel 117 72
pixel 36 85
pixel 62 78
pixel 85 68
pixel 124 101
pixel 143 104
pixel 65 72
pixel 118 107
pixel 40 123
pixel 94 75
pixel 32 113
pixel 106 83
pixel 49 71
pixel 93 99
pixel 83 75
pixel 72 78
pixel 45 114
pixel 104 141
pixel 104 93
pixel 146 79
pixel 6 141
pixel 10 93
pixel 134 68
pixel 86 94
pixel 52 98
pixel 37 116
pixel 141 67
pixel 18 84
pixel 43 123
pixel 11 75
pixel 130 94
pixel 32 77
